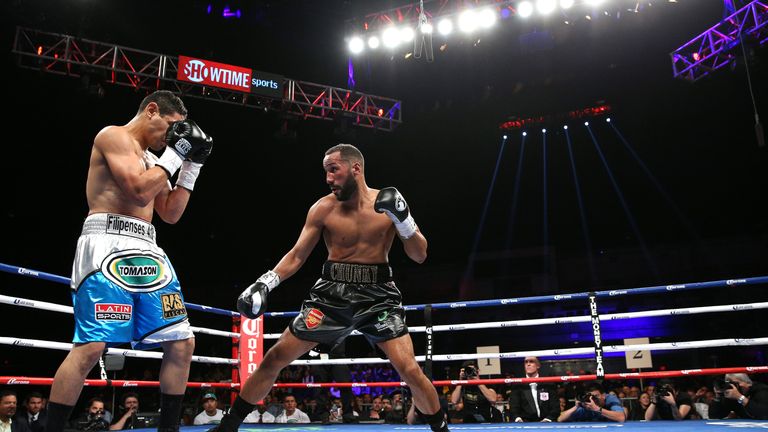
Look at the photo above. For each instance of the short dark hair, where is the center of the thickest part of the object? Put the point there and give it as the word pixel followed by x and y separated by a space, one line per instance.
pixel 595 386
pixel 167 102
pixel 127 395
pixel 34 394
pixel 5 393
pixel 348 153
pixel 92 400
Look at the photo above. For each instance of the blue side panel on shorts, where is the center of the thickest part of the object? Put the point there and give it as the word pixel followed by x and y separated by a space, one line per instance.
pixel 104 312
pixel 158 309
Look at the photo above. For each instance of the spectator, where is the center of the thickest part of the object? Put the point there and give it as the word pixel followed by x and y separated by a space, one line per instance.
pixel 34 416
pixel 290 413
pixel 595 406
pixel 638 408
pixel 127 418
pixel 376 412
pixel 739 397
pixel 259 415
pixel 211 414
pixel 667 403
pixel 533 402
pixel 8 405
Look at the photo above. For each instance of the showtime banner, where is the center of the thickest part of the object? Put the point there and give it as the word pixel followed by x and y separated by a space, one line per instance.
pixel 214 74
pixel 251 346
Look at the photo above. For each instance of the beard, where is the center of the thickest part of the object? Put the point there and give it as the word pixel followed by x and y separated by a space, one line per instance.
pixel 347 189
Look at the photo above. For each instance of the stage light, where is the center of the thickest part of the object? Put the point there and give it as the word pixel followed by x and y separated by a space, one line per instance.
pixel 545 7
pixel 586 123
pixel 696 56
pixel 608 119
pixel 525 133
pixel 543 131
pixel 406 34
pixel 468 21
pixel 505 137
pixel 487 18
pixel 356 45
pixel 373 42
pixel 445 27
pixel 565 127
pixel 566 4
pixel 427 28
pixel 390 37
pixel 525 9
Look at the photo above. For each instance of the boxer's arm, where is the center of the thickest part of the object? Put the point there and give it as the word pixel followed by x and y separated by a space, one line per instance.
pixel 310 235
pixel 126 167
pixel 416 247
pixel 170 204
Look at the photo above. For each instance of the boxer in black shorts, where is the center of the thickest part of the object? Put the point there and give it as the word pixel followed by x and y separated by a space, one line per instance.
pixel 358 225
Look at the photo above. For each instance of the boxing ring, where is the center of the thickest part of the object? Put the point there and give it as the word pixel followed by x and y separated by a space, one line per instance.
pixel 598 350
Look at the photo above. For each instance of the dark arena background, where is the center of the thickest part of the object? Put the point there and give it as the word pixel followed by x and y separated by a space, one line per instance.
pixel 547 149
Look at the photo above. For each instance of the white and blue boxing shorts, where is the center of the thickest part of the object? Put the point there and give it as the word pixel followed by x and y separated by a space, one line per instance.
pixel 124 287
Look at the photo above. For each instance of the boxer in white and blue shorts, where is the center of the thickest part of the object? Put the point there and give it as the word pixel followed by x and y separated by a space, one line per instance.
pixel 124 287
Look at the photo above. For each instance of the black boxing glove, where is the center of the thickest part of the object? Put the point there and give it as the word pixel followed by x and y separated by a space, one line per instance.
pixel 188 142
pixel 252 302
pixel 390 201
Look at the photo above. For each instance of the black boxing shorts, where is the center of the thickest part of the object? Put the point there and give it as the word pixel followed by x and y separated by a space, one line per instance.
pixel 351 297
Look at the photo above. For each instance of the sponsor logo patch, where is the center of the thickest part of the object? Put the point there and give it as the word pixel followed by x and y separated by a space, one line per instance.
pixel 172 306
pixel 137 270
pixel 113 312
pixel 313 318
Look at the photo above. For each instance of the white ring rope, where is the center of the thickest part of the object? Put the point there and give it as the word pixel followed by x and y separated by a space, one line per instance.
pixel 557 352
pixel 34 343
pixel 16 301
pixel 569 320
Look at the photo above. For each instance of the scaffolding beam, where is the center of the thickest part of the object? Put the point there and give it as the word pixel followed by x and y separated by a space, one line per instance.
pixel 118 65
pixel 714 48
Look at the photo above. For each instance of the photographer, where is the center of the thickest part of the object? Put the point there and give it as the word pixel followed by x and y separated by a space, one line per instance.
pixel 737 396
pixel 595 406
pixel 93 418
pixel 478 400
pixel 668 404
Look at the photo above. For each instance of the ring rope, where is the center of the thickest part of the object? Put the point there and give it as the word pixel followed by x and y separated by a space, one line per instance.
pixel 22 380
pixel 35 343
pixel 578 319
pixel 16 301
pixel 469 304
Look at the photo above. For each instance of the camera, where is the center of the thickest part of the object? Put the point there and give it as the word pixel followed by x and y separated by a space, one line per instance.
pixel 93 423
pixel 722 385
pixel 662 390
pixel 586 398
pixel 470 372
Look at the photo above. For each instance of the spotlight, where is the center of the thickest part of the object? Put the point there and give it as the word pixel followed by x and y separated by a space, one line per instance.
pixel 525 133
pixel 427 28
pixel 545 7
pixel 406 34
pixel 356 45
pixel 373 42
pixel 525 9
pixel 586 123
pixel 566 4
pixel 487 18
pixel 445 26
pixel 543 131
pixel 565 127
pixel 468 21
pixel 608 119
pixel 391 37
pixel 505 137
